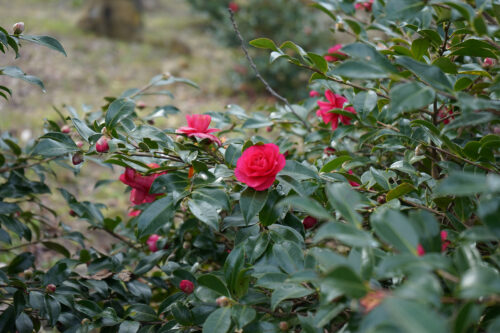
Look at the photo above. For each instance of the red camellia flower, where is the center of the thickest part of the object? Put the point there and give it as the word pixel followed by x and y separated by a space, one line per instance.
pixel 198 126
pixel 233 6
pixel 258 166
pixel 186 286
pixel 334 102
pixel 367 5
pixel 152 242
pixel 444 243
pixel 333 51
pixel 314 93
pixel 101 145
pixel 140 186
pixel 309 222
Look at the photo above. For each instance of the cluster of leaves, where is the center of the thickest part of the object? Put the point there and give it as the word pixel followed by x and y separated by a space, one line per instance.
pixel 275 19
pixel 407 242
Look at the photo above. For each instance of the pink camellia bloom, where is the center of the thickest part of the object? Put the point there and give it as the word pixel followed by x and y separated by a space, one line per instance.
pixel 488 62
pixel 101 145
pixel 258 166
pixel 309 222
pixel 152 242
pixel 334 102
pixel 140 186
pixel 420 250
pixel 314 93
pixel 353 183
pixel 444 113
pixel 234 6
pixel 332 51
pixel 198 126
pixel 367 5
pixel 186 286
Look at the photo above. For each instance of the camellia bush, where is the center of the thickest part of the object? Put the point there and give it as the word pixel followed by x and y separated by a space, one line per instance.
pixel 371 206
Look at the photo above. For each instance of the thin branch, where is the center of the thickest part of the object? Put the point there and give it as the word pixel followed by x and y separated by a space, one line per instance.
pixel 28 244
pixel 25 166
pixel 446 35
pixel 416 205
pixel 257 74
pixel 463 159
pixel 353 85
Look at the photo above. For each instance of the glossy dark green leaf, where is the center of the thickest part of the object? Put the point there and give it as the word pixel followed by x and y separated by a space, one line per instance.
pixel 288 291
pixel 345 233
pixel 24 323
pixel 427 73
pixel 342 280
pixel 117 111
pixel 205 212
pixel 345 200
pixel 252 202
pixel 218 321
pixel 395 229
pixel 46 41
pixel 17 73
pixel 214 283
pixel 156 215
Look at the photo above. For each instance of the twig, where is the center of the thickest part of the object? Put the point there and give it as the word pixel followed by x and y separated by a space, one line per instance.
pixel 331 78
pixel 446 31
pixel 25 166
pixel 27 244
pixel 463 159
pixel 149 85
pixel 416 205
pixel 121 238
pixel 257 74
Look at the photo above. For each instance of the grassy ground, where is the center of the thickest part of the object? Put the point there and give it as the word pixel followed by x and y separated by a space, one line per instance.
pixel 174 41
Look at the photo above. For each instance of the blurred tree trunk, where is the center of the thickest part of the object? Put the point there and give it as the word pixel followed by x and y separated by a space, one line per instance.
pixel 119 19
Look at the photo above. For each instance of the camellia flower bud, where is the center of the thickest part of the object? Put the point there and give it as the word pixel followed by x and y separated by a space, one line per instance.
pixel 79 144
pixel 18 28
pixel 186 245
pixel 420 250
pixel 309 222
pixel 51 288
pixel 140 105
pixel 284 326
pixel 77 159
pixel 186 286
pixel 65 129
pixel 72 213
pixel 222 301
pixel 152 240
pixel 381 199
pixel 234 6
pixel 101 145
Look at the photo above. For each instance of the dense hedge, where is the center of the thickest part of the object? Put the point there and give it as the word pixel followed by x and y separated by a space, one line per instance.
pixel 371 206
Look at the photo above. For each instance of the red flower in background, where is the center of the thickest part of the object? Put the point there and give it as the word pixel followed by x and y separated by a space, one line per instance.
pixel 258 166
pixel 353 183
pixel 314 93
pixel 152 242
pixel 444 243
pixel 333 51
pixel 234 6
pixel 309 222
pixel 334 102
pixel 198 126
pixel 367 5
pixel 444 113
pixel 140 186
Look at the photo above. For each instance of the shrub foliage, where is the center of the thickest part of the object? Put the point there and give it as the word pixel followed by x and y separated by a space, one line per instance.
pixel 371 206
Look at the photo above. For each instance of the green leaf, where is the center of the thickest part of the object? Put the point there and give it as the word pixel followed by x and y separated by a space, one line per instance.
pixel 182 314
pixel 252 202
pixel 21 262
pixel 141 312
pixel 58 248
pixel 345 233
pixel 427 73
pixel 264 43
pixel 24 323
pixel 17 73
pixel 355 69
pixel 419 47
pixel 214 283
pixel 242 315
pixel 205 212
pixel 342 280
pixel 446 65
pixel 402 315
pixel 47 41
pixel 310 206
pixel 403 9
pixel 464 184
pixel 287 291
pixel 345 200
pixel 399 191
pixel 271 211
pixel 410 96
pixel 129 327
pixel 55 144
pixel 218 321
pixel 53 309
pixel 117 111
pixel 335 163
pixel 319 62
pixel 155 216
pixel 395 229
pixel 479 281
pixel 86 132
